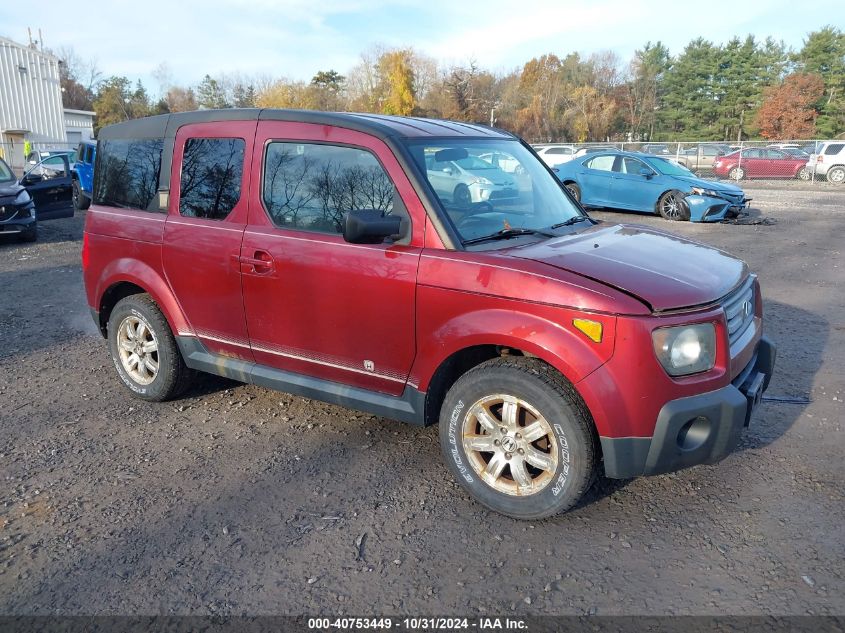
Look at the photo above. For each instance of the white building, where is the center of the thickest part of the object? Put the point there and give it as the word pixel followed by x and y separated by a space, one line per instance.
pixel 79 126
pixel 30 101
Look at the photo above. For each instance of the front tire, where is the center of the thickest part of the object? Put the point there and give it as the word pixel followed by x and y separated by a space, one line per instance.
pixel 462 197
pixel 836 175
pixel 575 190
pixel 144 351
pixel 518 438
pixel 672 206
pixel 804 174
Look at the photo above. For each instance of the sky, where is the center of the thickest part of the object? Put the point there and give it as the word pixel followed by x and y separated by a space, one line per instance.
pixel 297 38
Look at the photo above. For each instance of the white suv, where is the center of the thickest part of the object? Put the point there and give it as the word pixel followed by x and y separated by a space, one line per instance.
pixel 829 162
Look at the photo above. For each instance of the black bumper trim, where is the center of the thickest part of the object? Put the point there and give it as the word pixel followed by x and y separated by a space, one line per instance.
pixel 700 429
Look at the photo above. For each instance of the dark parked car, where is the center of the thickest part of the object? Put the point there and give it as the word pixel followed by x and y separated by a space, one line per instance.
pixel 44 193
pixel 310 252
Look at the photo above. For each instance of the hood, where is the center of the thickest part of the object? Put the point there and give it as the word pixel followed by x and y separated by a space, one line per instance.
pixel 9 189
pixel 662 270
pixel 725 187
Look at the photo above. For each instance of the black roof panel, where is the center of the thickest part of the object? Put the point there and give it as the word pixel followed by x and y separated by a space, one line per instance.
pixel 381 125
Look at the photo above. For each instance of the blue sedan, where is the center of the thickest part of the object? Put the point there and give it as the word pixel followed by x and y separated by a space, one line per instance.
pixel 650 184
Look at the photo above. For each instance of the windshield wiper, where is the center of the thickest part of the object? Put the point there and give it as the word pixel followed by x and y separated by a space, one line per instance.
pixel 573 220
pixel 506 234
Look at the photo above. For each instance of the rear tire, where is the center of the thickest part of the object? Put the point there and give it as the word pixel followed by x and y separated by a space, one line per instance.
pixel 80 200
pixel 575 190
pixel 804 174
pixel 144 350
pixel 737 173
pixel 518 438
pixel 672 206
pixel 836 175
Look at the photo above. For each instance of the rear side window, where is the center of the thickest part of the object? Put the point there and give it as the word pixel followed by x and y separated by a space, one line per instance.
pixel 602 163
pixel 212 170
pixel 311 186
pixel 127 173
pixel 834 148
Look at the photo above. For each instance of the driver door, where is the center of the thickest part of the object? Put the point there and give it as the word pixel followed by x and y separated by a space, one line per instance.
pixel 50 185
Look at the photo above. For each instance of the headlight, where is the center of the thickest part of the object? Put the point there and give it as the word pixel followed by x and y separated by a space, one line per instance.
pixel 481 181
pixel 700 191
pixel 22 197
pixel 687 349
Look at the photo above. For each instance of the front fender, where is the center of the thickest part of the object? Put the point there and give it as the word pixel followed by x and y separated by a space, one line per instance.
pixel 546 332
pixel 141 274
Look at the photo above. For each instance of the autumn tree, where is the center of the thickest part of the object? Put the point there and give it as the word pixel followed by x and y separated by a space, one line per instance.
pixel 396 83
pixel 117 101
pixel 789 110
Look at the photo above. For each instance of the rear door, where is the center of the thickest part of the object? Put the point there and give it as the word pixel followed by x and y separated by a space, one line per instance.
pixel 205 225
pixel 316 304
pixel 50 185
pixel 595 177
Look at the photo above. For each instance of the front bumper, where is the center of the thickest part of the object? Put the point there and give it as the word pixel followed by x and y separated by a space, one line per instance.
pixel 700 429
pixel 713 209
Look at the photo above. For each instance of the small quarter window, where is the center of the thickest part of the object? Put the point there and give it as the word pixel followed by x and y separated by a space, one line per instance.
pixel 310 186
pixel 833 148
pixel 212 170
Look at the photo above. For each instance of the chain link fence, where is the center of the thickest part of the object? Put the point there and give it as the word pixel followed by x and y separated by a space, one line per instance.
pixel 23 155
pixel 815 162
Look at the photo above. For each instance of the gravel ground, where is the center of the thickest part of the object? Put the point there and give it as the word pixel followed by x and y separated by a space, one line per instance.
pixel 239 500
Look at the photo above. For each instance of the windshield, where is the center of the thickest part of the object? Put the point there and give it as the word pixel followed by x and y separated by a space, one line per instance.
pixel 500 186
pixel 669 167
pixel 5 172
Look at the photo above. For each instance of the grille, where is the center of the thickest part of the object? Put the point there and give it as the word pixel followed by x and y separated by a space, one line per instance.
pixel 739 310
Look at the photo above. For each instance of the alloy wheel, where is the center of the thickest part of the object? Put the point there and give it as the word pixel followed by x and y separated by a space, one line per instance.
pixel 510 445
pixel 138 349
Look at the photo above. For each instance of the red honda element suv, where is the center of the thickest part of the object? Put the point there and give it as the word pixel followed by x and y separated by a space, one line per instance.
pixel 429 271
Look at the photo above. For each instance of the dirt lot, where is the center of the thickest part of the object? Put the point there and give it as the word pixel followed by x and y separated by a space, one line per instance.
pixel 238 500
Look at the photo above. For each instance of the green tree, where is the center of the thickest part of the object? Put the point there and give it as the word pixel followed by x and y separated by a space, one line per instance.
pixel 327 88
pixel 690 107
pixel 243 96
pixel 642 95
pixel 211 95
pixel 823 53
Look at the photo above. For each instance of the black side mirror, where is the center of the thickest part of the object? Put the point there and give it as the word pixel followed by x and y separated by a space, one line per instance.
pixel 370 226
pixel 646 173
pixel 31 179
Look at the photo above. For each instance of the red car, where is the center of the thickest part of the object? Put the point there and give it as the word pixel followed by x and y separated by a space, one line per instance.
pixel 760 162
pixel 309 252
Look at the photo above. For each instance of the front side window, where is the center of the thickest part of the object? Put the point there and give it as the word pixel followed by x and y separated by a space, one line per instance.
pixel 488 187
pixel 210 183
pixel 632 166
pixel 310 186
pixel 50 168
pixel 127 173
